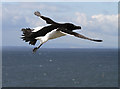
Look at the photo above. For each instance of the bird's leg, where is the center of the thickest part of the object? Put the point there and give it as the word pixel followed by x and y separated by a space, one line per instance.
pixel 36 48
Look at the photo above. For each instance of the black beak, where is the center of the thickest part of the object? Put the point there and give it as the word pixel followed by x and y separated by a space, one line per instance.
pixel 78 27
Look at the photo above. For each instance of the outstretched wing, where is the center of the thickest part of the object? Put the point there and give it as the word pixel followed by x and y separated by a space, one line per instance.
pixel 78 35
pixel 48 20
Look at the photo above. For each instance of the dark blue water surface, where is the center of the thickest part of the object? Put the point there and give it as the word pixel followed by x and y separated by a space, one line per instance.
pixel 60 67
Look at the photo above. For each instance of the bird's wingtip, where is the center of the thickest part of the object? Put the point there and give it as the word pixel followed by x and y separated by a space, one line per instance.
pixel 98 40
pixel 37 13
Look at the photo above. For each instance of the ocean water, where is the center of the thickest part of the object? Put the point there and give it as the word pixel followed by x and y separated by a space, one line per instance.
pixel 60 67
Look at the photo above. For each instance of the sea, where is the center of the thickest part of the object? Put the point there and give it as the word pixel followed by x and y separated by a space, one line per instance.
pixel 59 67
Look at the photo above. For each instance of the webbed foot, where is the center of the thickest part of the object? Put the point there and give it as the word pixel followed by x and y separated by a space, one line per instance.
pixel 35 49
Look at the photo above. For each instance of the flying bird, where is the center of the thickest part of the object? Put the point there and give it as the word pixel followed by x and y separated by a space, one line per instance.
pixel 52 31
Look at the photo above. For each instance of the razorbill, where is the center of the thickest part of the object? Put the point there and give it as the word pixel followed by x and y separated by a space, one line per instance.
pixel 52 31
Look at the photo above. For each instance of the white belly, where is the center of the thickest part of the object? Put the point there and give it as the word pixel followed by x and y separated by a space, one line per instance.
pixel 51 35
pixel 54 34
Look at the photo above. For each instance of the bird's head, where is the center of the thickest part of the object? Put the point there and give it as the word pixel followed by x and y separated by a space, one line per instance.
pixel 71 26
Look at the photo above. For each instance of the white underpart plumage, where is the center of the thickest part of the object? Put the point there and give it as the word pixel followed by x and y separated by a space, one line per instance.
pixel 37 29
pixel 50 35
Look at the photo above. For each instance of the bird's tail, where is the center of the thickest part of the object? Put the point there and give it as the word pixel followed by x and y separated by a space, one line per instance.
pixel 28 36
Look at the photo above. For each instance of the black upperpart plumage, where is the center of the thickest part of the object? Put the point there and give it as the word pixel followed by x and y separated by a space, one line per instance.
pixel 29 36
pixel 70 26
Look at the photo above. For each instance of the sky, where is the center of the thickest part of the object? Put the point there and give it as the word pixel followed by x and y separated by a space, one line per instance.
pixel 98 20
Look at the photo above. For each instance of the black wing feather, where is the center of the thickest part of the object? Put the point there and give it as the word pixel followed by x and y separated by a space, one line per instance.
pixel 44 30
pixel 78 35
